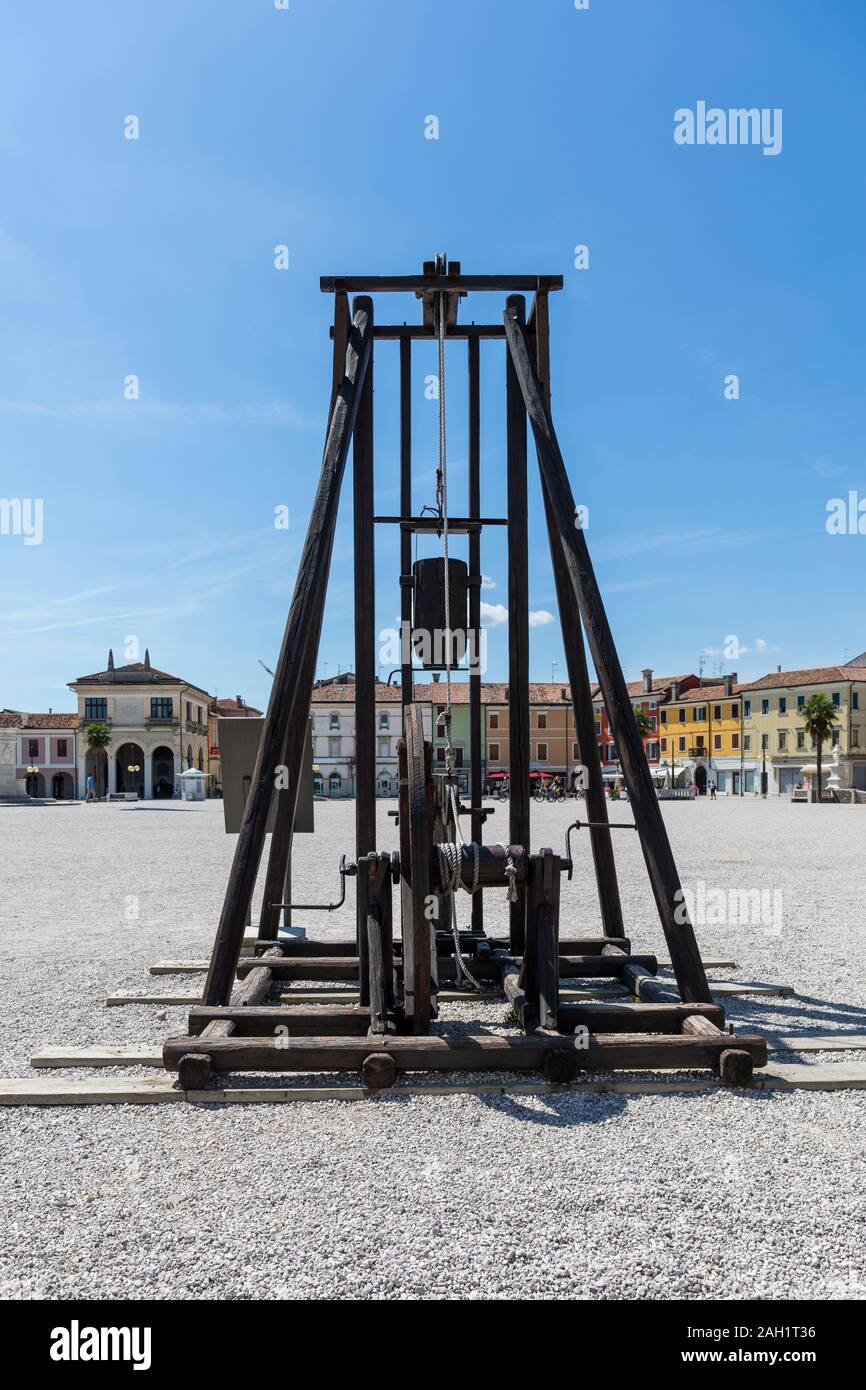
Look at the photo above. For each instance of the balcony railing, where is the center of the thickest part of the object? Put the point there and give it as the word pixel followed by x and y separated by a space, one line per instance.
pixel 161 721
pixel 193 726
pixel 699 751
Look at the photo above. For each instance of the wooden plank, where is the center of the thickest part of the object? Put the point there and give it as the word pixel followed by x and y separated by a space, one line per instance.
pixel 98 1090
pixel 556 487
pixel 826 1042
pixel 173 1000
pixel 365 647
pixel 100 1055
pixel 724 989
pixel 831 1076
pixel 285 726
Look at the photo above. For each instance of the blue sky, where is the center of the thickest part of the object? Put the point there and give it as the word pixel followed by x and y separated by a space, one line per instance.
pixel 306 128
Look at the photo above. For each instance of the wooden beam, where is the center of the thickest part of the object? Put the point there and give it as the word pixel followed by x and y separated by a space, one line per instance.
pixel 285 724
pixel 518 628
pixel 482 1052
pixel 476 713
pixel 661 867
pixel 437 284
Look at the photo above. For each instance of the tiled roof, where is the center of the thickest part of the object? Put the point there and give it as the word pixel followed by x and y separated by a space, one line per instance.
pixel 136 673
pixel 813 675
pixel 233 708
pixel 9 719
pixel 51 721
pixel 636 688
pixel 699 693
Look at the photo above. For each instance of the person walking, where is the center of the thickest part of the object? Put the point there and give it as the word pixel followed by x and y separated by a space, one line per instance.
pixel 712 789
pixel 90 788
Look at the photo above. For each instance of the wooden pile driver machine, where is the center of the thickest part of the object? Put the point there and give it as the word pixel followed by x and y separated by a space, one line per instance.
pixel 391 1029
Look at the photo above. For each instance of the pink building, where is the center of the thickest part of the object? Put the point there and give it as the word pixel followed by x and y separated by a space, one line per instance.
pixel 45 753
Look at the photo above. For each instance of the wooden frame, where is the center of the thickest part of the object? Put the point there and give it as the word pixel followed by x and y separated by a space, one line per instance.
pixel 238 1024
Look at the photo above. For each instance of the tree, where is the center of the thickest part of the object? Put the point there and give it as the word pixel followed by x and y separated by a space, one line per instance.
pixel 819 716
pixel 97 738
pixel 642 719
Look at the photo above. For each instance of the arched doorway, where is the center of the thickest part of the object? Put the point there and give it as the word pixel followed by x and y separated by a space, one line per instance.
pixel 130 769
pixel 163 773
pixel 701 779
pixel 61 786
pixel 34 784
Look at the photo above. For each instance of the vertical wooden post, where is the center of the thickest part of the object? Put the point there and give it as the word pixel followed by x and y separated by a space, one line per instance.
pixel 578 675
pixel 518 625
pixel 277 870
pixel 365 654
pixel 476 713
pixel 664 879
pixel 285 724
pixel 405 511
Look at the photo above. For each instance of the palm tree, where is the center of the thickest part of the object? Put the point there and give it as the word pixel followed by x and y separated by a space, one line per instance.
pixel 97 738
pixel 819 716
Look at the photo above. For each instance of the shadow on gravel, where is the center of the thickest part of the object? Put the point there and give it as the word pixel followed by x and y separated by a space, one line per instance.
pixel 559 1110
pixel 804 1008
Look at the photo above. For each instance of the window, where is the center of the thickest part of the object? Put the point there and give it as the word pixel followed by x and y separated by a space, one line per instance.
pixel 652 722
pixel 663 715
pixel 681 744
pixel 717 711
pixel 765 706
pixel 801 700
pixel 188 712
pixel 747 709
pixel 699 739
pixel 735 711
pixel 699 714
pixel 201 760
pixel 542 719
pixel 717 743
pixel 747 742
pixel 598 728
pixel 383 719
pixel 542 752
pixel 855 735
pixel 610 756
pixel 493 752
pixel 33 747
pixel 61 748
pixel 664 745
pixel 96 709
pixel 783 740
pixel 855 700
pixel 837 700
pixel 735 740
pixel 575 753
pixel 161 707
pixel 493 718
pixel 333 721
pixel 333 748
pixel 835 738
pixel 384 748
pixel 336 783
pixel 801 738
pixel 681 715
pixel 783 704
pixel 765 742
pixel 652 752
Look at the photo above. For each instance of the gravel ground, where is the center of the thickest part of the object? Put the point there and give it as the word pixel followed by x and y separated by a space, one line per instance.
pixel 728 1195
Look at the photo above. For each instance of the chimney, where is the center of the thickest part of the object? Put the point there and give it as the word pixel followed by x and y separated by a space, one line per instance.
pixel 778 668
pixel 146 659
pixel 110 659
pixel 240 702
pixel 647 674
pixel 675 690
pixel 436 677
pixel 728 683
pixel 564 693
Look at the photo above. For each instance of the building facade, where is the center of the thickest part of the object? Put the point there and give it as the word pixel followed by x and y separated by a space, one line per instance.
pixel 333 715
pixel 649 694
pixel 158 726
pixel 773 725
pixel 702 738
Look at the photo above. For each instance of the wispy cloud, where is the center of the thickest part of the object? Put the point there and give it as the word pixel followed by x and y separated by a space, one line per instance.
pixel 279 413
pixel 624 586
pixel 683 542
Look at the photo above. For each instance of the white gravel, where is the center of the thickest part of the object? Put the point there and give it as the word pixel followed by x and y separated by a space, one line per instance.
pixel 732 1195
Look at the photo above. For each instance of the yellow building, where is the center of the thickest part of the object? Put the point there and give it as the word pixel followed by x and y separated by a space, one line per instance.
pixel 702 738
pixel 774 726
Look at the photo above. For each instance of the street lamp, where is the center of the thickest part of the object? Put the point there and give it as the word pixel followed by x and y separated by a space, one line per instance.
pixel 32 772
pixel 133 767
